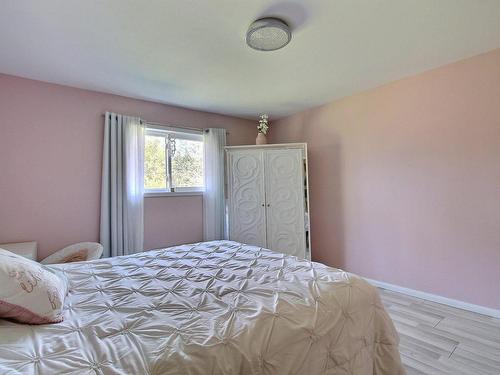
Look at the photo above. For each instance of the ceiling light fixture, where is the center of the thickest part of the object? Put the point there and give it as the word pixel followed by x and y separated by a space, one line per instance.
pixel 268 34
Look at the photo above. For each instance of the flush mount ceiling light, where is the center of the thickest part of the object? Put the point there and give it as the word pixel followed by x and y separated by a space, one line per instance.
pixel 268 34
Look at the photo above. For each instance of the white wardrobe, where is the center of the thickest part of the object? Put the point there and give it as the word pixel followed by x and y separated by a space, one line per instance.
pixel 268 197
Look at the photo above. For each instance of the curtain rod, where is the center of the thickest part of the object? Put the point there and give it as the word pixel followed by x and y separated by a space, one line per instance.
pixel 173 126
pixel 201 130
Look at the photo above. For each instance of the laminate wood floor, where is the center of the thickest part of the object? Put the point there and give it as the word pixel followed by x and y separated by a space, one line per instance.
pixel 437 339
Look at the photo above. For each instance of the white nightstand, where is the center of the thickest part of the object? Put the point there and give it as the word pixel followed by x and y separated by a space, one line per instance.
pixel 25 249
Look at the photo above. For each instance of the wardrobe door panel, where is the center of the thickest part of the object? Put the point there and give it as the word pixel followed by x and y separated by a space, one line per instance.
pixel 285 201
pixel 247 220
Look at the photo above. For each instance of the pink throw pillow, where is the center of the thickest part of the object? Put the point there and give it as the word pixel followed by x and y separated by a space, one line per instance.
pixel 29 292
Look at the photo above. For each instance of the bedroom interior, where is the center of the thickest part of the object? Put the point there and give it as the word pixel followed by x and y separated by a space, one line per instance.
pixel 265 187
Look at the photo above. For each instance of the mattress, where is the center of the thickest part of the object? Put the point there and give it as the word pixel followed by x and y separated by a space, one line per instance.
pixel 216 307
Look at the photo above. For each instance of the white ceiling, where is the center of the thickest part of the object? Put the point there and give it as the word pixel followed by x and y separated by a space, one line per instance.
pixel 192 53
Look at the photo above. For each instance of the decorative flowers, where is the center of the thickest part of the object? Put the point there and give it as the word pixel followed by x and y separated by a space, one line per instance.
pixel 263 124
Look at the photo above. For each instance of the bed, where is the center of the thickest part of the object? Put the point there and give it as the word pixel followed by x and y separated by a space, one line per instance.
pixel 217 307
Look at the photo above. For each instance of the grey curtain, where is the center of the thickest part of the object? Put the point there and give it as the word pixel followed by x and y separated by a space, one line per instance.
pixel 214 141
pixel 122 189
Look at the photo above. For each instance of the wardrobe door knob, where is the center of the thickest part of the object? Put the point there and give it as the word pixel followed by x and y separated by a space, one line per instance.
pixel 269 205
pixel 263 204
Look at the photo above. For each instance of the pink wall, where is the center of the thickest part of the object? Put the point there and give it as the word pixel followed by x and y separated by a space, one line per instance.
pixel 50 164
pixel 172 221
pixel 405 180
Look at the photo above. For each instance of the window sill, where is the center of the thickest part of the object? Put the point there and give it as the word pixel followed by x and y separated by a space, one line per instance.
pixel 171 194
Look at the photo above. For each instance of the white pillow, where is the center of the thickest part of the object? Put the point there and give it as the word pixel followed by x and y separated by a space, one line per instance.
pixel 29 292
pixel 75 253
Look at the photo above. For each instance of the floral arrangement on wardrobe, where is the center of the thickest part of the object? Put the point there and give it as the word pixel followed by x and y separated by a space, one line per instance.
pixel 263 126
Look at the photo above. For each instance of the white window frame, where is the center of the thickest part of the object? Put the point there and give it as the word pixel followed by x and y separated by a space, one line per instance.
pixel 178 133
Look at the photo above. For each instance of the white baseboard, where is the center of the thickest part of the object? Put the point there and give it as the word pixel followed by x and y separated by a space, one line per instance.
pixel 435 298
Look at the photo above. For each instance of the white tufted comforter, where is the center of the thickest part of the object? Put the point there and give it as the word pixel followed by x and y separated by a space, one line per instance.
pixel 209 308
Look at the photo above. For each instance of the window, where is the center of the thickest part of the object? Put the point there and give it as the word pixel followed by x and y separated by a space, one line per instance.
pixel 173 161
